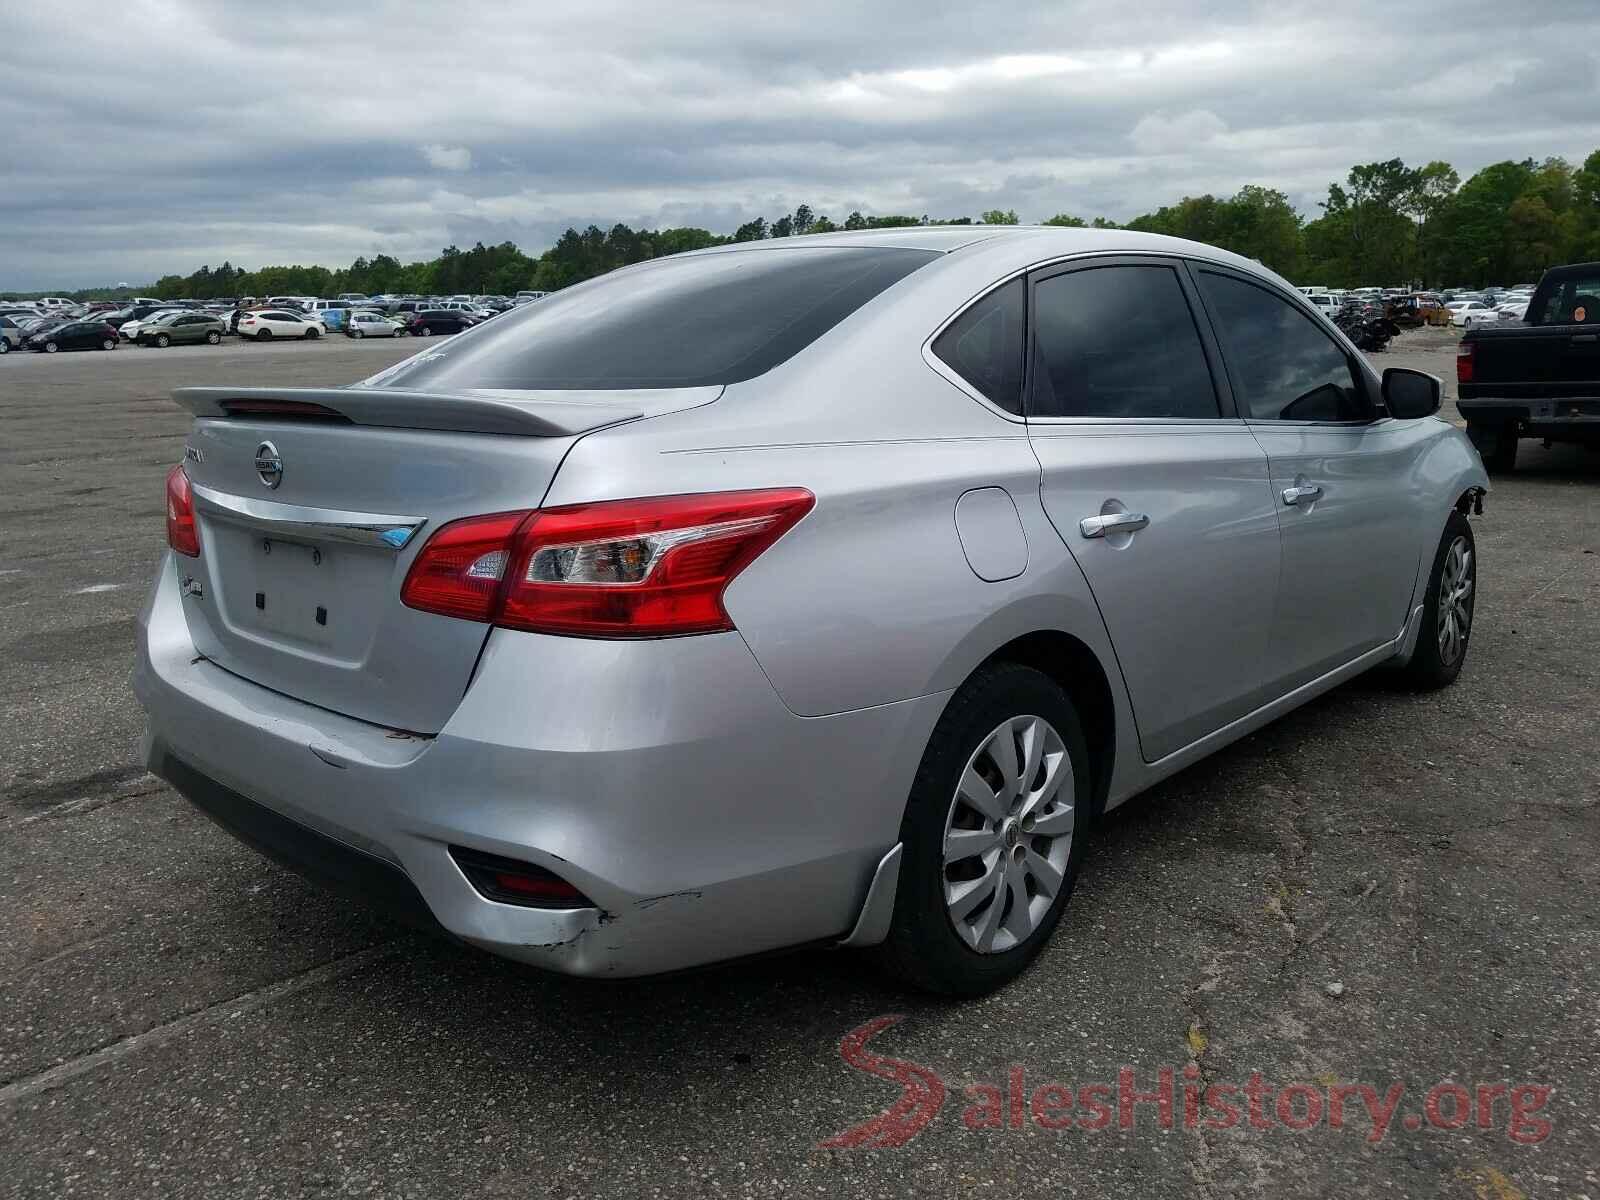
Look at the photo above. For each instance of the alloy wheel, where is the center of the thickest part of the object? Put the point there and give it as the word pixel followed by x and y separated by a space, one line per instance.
pixel 1455 601
pixel 1008 835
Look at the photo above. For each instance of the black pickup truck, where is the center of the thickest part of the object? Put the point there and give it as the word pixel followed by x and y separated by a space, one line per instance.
pixel 1539 377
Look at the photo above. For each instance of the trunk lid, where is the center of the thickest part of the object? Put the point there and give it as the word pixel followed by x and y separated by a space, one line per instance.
pixel 312 503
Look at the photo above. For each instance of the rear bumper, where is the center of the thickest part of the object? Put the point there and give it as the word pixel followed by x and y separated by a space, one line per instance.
pixel 664 779
pixel 1563 419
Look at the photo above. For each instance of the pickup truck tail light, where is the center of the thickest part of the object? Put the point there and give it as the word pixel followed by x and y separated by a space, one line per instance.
pixel 654 567
pixel 1464 362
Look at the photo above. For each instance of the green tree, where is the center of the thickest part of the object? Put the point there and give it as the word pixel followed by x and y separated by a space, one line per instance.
pixel 1066 219
pixel 999 216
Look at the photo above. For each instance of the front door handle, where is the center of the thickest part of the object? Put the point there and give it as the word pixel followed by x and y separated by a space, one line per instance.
pixel 1297 495
pixel 1094 527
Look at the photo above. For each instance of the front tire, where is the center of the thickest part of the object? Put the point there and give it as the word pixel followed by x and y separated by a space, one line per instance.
pixel 311 335
pixel 993 834
pixel 163 340
pixel 1496 444
pixel 1447 610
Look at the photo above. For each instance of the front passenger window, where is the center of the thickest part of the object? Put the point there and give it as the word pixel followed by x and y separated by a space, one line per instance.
pixel 1283 367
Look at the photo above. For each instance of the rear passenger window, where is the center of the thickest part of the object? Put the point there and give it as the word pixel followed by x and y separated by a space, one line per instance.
pixel 1117 342
pixel 1283 367
pixel 985 344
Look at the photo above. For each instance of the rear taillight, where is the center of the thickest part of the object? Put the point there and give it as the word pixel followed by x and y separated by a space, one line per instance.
pixel 625 568
pixel 460 571
pixel 1464 361
pixel 182 533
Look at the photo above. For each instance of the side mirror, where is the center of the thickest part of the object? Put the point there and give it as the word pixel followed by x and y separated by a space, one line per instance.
pixel 1409 394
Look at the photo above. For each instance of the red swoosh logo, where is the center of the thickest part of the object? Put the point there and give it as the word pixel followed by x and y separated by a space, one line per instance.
pixel 921 1097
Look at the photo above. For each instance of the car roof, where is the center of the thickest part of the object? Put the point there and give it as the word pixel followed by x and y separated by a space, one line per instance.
pixel 1021 245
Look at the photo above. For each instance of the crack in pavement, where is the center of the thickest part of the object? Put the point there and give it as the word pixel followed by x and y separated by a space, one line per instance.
pixel 223 1010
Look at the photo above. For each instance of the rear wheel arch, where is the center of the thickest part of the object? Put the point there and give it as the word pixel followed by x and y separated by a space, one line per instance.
pixel 1077 670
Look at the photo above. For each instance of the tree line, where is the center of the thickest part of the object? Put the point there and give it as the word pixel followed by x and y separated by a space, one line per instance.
pixel 1385 223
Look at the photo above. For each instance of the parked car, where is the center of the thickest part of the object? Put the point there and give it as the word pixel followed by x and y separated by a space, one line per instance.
pixel 363 323
pixel 746 633
pixel 1471 313
pixel 10 335
pixel 432 321
pixel 331 313
pixel 269 323
pixel 1538 377
pixel 525 297
pixel 75 335
pixel 179 328
pixel 130 330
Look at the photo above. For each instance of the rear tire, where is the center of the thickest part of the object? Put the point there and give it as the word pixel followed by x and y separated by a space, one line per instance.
pixel 213 338
pixel 1497 445
pixel 51 347
pixel 423 331
pixel 356 333
pixel 264 336
pixel 1442 644
pixel 933 943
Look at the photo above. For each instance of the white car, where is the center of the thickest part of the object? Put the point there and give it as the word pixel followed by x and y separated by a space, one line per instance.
pixel 1467 313
pixel 129 330
pixel 363 323
pixel 276 322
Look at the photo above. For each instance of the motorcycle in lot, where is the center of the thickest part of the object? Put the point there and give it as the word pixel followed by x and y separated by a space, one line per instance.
pixel 1367 326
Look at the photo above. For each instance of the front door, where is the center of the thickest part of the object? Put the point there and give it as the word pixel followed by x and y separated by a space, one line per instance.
pixel 1160 494
pixel 1343 478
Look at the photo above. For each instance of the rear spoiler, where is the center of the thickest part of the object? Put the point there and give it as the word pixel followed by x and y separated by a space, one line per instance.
pixel 526 414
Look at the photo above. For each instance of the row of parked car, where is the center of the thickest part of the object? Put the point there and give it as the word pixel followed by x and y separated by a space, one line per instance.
pixel 51 326
pixel 1453 306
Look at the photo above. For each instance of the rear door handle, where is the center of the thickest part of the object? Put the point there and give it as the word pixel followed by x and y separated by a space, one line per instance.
pixel 1093 527
pixel 1296 495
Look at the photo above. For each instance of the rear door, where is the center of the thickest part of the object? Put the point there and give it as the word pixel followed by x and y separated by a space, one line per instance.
pixel 1343 479
pixel 1157 489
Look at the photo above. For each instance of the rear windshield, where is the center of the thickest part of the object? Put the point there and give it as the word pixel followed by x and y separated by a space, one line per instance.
pixel 1575 300
pixel 682 322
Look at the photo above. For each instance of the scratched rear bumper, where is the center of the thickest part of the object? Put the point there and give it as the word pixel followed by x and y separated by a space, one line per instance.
pixel 665 780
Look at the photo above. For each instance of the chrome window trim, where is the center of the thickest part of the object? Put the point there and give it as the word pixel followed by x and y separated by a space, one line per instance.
pixel 373 530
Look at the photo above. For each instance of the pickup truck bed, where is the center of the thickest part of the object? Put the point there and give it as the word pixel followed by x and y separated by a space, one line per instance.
pixel 1540 378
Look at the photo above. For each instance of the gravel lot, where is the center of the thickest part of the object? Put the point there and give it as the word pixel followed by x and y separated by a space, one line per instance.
pixel 180 1018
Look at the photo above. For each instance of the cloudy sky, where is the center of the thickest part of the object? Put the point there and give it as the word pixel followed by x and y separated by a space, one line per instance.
pixel 142 137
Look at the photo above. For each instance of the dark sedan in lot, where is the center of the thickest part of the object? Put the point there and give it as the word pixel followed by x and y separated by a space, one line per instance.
pixel 440 320
pixel 75 335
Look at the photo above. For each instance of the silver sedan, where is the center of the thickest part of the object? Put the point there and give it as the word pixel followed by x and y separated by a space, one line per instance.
pixel 815 591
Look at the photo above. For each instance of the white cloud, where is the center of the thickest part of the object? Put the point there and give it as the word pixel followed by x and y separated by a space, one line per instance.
pixel 447 158
pixel 1176 133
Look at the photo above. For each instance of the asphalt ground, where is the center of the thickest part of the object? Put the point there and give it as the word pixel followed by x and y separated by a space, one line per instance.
pixel 180 1018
